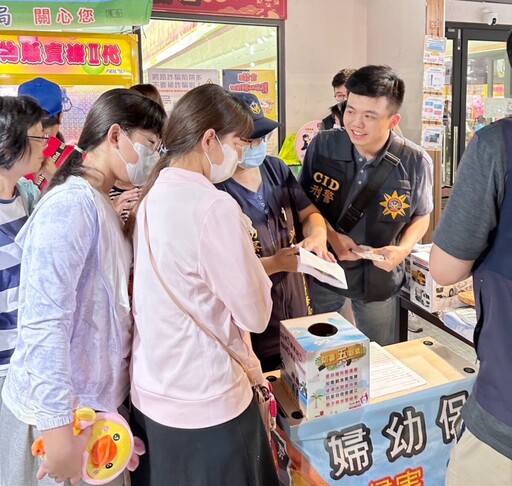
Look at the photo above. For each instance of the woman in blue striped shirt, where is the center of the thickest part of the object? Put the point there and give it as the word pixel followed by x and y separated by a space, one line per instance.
pixel 21 152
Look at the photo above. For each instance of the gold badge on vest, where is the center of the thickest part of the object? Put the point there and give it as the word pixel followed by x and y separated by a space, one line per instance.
pixel 394 205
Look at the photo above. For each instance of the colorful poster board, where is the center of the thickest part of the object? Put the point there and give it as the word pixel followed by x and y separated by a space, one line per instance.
pixel 434 50
pixel 71 15
pixel 433 106
pixel 433 78
pixel 174 83
pixel 103 59
pixel 261 83
pixel 432 137
pixel 83 65
pixel 304 136
pixel 268 9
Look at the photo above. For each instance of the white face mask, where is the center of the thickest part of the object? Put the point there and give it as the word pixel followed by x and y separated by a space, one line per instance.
pixel 222 172
pixel 146 160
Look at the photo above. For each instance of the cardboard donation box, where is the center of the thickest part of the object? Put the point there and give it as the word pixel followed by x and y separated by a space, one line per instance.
pixel 427 293
pixel 401 438
pixel 407 263
pixel 325 364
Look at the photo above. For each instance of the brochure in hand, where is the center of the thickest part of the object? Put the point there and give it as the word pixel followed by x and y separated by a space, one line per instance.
pixel 366 252
pixel 327 272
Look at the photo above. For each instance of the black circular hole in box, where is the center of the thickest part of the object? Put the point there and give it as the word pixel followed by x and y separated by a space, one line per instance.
pixel 323 329
pixel 297 415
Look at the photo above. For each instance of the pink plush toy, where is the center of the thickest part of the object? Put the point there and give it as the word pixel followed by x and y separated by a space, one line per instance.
pixel 111 448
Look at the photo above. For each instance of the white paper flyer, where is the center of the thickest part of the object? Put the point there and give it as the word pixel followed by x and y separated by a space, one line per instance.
pixel 327 272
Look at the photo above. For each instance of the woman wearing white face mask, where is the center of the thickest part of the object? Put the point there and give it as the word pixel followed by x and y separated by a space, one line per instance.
pixel 123 195
pixel 282 216
pixel 74 319
pixel 192 403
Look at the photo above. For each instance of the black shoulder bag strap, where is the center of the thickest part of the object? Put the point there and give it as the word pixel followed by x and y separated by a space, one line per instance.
pixel 355 210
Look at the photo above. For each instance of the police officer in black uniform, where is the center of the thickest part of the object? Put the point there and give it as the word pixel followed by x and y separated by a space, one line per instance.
pixel 337 175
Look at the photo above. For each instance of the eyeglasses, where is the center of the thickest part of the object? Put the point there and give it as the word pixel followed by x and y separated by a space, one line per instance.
pixel 340 97
pixel 156 145
pixel 256 142
pixel 44 139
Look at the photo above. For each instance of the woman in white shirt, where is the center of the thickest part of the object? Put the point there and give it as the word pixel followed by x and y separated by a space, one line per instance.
pixel 74 317
pixel 192 403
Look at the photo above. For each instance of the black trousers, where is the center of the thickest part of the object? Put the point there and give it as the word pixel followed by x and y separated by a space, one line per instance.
pixel 235 453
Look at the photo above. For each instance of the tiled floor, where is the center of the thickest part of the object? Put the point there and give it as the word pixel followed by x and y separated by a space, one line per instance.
pixel 451 342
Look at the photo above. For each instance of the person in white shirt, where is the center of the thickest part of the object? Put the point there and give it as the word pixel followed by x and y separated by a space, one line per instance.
pixel 75 326
pixel 192 403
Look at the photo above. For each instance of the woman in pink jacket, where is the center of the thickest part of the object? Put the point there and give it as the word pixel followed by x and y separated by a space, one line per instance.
pixel 192 403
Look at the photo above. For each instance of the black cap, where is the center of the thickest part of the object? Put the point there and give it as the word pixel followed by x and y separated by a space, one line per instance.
pixel 262 124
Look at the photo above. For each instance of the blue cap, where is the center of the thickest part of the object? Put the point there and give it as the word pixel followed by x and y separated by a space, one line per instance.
pixel 47 94
pixel 262 124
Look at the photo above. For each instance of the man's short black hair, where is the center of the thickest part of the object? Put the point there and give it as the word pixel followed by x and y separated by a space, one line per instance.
pixel 376 81
pixel 340 78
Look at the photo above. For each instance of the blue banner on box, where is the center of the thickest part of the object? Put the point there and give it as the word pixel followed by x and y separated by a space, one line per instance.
pixel 400 441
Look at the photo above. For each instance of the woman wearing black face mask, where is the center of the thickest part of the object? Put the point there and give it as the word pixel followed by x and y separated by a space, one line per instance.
pixel 279 215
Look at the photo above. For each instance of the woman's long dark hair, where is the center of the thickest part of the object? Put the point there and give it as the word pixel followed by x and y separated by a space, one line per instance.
pixel 128 108
pixel 207 106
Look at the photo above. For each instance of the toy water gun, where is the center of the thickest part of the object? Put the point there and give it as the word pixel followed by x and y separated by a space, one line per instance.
pixel 111 448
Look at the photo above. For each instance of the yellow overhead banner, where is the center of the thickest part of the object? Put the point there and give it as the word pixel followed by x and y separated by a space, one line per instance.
pixel 98 55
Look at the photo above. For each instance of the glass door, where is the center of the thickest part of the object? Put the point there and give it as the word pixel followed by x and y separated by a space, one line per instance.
pixel 448 139
pixel 478 87
pixel 178 55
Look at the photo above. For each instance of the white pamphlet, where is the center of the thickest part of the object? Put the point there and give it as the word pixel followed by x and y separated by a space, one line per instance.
pixel 327 272
pixel 366 252
pixel 388 374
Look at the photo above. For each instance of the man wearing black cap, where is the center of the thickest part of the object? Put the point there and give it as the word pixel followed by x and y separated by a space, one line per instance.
pixel 279 215
pixel 49 97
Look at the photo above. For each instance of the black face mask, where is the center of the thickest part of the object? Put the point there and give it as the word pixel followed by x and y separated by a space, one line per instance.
pixel 338 109
pixel 341 106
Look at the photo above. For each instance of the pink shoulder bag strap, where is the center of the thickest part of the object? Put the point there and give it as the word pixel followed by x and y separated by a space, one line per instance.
pixel 263 393
pixel 207 331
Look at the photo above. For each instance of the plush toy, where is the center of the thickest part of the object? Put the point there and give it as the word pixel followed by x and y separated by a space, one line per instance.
pixel 111 448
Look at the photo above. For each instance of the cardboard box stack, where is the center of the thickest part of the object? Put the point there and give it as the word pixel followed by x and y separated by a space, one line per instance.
pixel 407 263
pixel 426 292
pixel 325 364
